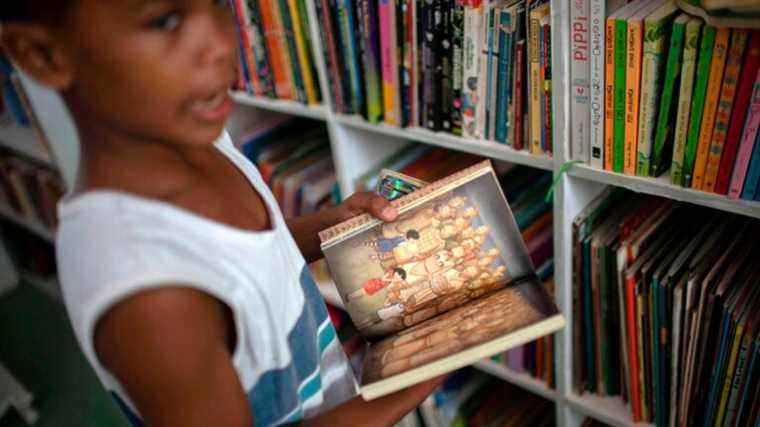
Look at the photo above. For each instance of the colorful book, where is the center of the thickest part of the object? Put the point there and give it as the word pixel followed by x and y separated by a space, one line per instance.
pixel 502 81
pixel 534 57
pixel 389 62
pixel 284 28
pixel 725 105
pixel 492 62
pixel 750 65
pixel 580 114
pixel 351 54
pixel 303 52
pixel 276 50
pixel 457 40
pixel 688 69
pixel 749 133
pixel 609 93
pixel 656 26
pixel 667 114
pixel 473 45
pixel 520 89
pixel 332 59
pixel 698 102
pixel 751 182
pixel 546 85
pixel 445 54
pixel 405 40
pixel 634 52
pixel 366 12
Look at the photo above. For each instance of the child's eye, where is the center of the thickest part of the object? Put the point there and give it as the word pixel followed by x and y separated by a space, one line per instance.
pixel 167 22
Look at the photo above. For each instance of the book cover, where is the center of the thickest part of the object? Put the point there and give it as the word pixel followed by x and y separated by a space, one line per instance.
pixel 712 96
pixel 432 63
pixel 444 54
pixel 427 63
pixel 276 50
pixel 753 172
pixel 351 54
pixel 503 83
pixel 749 67
pixel 750 130
pixel 692 39
pixel 494 31
pixel 246 46
pixel 667 113
pixel 389 62
pixel 292 59
pixel 446 284
pixel 534 104
pixel 520 95
pixel 332 60
pixel 580 73
pixel 656 27
pixel 634 52
pixel 368 26
pixel 473 45
pixel 300 32
pixel 404 37
pixel 546 86
pixel 457 68
pixel 609 93
pixel 725 105
pixel 486 62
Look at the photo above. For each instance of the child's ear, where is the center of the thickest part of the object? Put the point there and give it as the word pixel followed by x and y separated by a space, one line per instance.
pixel 36 49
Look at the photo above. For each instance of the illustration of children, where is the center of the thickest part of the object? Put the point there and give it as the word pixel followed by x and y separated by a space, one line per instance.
pixel 373 286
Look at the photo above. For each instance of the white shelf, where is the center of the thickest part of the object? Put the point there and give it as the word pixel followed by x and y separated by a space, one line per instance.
pixel 441 139
pixel 519 379
pixel 610 410
pixel 29 224
pixel 281 106
pixel 662 187
pixel 23 140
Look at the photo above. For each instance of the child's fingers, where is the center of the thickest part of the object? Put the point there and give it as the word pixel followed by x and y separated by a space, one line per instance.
pixel 382 209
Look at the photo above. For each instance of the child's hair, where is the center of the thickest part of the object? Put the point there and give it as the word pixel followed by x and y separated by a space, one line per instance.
pixel 47 11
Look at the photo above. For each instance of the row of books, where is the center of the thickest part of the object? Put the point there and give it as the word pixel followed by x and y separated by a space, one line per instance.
pixel 293 157
pixel 276 56
pixel 30 190
pixel 477 69
pixel 665 315
pixel 655 89
pixel 525 189
pixel 469 398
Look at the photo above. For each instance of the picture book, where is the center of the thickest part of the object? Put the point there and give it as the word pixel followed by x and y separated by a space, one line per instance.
pixel 447 283
pixel 579 79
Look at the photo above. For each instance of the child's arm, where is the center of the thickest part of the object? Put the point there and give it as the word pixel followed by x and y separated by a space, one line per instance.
pixel 170 349
pixel 305 229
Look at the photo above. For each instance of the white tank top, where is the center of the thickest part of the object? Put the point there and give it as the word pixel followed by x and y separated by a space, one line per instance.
pixel 111 245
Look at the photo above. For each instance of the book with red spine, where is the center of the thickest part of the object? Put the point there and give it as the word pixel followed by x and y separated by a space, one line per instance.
pixel 749 132
pixel 246 53
pixel 283 84
pixel 329 47
pixel 519 91
pixel 750 66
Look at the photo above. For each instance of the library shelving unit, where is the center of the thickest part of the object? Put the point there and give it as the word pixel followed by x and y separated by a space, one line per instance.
pixel 358 146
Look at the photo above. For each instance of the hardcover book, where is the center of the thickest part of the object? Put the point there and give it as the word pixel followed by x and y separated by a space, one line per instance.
pixel 448 283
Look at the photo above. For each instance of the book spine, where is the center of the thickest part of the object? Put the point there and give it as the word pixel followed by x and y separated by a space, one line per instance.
pixel 404 69
pixel 303 14
pixel 445 53
pixel 283 85
pixel 725 105
pixel 246 47
pixel 410 65
pixel 493 73
pixel 753 172
pixel 367 17
pixel 597 51
pixel 547 84
pixel 717 67
pixel 519 103
pixel 621 49
pixel 609 94
pixel 302 52
pixel 484 84
pixel 284 34
pixel 729 374
pixel 509 80
pixel 738 115
pixel 740 377
pixel 698 102
pixel 635 398
pixel 457 69
pixel 473 23
pixel 651 78
pixel 502 81
pixel 351 54
pixel 534 103
pixel 424 60
pixel 431 85
pixel 330 54
pixel 632 91
pixel 666 116
pixel 342 56
pixel 388 54
pixel 747 141
pixel 580 74
pixel 688 69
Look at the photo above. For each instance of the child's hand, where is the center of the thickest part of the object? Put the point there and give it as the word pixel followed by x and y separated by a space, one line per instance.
pixel 367 202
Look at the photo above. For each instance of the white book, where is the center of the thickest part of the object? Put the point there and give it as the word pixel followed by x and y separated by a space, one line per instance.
pixel 580 115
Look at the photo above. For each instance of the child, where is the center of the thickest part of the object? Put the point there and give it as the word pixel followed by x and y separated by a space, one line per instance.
pixel 186 288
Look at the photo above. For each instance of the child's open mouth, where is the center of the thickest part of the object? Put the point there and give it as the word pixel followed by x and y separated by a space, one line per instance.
pixel 213 109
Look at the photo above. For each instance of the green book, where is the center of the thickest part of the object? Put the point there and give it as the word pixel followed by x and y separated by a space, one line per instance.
pixel 656 26
pixel 621 50
pixel 666 115
pixel 698 102
pixel 688 67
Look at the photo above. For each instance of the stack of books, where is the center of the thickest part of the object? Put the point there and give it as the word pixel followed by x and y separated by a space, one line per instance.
pixel 276 59
pixel 656 89
pixel 29 190
pixel 293 157
pixel 665 315
pixel 525 189
pixel 481 70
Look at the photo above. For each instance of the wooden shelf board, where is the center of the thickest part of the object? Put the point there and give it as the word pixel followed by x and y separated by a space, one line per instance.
pixel 24 141
pixel 519 379
pixel 610 410
pixel 662 187
pixel 281 106
pixel 483 148
pixel 31 225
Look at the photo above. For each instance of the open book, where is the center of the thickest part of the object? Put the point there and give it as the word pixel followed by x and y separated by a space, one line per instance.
pixel 448 283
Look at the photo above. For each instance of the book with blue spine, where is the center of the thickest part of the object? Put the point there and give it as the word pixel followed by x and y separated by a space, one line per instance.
pixel 292 55
pixel 347 27
pixel 753 172
pixel 368 26
pixel 502 82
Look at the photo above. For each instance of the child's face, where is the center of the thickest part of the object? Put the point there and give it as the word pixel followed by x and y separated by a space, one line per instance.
pixel 155 70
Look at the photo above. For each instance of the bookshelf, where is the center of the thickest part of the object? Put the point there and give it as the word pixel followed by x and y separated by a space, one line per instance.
pixel 358 145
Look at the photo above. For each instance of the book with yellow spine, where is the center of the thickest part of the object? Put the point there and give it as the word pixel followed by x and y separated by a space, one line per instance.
pixel 725 105
pixel 609 93
pixel 634 44
pixel 304 56
pixel 534 106
pixel 718 64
